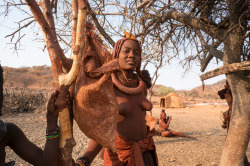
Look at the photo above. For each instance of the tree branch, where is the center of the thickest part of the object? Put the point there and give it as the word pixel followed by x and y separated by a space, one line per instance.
pixel 49 39
pixel 64 41
pixel 150 3
pixel 74 22
pixel 226 69
pixel 100 28
pixel 213 31
pixel 142 5
pixel 47 12
pixel 214 52
pixel 20 29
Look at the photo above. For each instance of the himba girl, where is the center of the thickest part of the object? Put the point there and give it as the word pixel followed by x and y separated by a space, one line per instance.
pixel 164 130
pixel 134 142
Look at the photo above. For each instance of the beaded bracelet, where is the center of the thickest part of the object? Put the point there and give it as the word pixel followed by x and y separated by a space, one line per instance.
pixel 83 161
pixel 52 136
pixel 52 133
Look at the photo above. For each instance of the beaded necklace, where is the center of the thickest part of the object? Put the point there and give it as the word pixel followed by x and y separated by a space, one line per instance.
pixel 126 81
pixel 128 90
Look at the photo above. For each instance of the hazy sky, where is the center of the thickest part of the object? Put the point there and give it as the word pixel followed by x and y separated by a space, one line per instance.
pixel 31 54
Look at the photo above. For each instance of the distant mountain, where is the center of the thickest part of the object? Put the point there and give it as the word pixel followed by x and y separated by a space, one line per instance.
pixel 216 86
pixel 37 77
pixel 210 91
pixel 40 77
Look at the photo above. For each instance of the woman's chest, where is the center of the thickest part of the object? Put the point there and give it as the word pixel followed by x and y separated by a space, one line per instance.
pixel 131 103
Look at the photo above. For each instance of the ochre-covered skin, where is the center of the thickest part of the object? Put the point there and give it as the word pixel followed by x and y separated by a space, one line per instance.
pixel 95 105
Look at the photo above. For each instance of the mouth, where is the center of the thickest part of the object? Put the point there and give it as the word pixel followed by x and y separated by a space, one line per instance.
pixel 130 62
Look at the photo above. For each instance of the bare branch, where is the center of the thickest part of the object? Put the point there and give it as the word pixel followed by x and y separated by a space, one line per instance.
pixel 150 3
pixel 64 41
pixel 20 29
pixel 226 69
pixel 100 28
pixel 213 31
pixel 214 52
pixel 142 5
pixel 247 35
pixel 47 12
pixel 49 39
pixel 74 4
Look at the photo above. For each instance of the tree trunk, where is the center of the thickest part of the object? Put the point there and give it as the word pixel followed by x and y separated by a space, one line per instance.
pixel 238 135
pixel 1 89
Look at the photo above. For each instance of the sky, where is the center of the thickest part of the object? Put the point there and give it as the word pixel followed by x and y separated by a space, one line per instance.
pixel 31 54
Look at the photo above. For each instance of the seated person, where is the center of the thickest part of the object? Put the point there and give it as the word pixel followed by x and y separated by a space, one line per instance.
pixel 163 130
pixel 226 94
pixel 12 136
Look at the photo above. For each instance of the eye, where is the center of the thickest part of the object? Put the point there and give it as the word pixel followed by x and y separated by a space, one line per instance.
pixel 137 52
pixel 126 51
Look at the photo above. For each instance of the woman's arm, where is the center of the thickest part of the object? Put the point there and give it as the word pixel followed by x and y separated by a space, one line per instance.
pixel 22 146
pixel 29 151
pixel 91 152
pixel 51 149
pixel 168 122
pixel 163 124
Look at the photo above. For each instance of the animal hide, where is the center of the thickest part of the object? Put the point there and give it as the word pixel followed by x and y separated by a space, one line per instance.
pixel 95 105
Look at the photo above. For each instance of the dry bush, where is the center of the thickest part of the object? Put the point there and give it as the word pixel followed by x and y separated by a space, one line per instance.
pixel 35 77
pixel 24 99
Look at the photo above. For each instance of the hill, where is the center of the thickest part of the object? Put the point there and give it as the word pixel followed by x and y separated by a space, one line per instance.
pixel 36 77
pixel 210 91
pixel 40 77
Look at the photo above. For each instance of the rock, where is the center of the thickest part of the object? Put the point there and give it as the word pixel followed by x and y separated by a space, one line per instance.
pixel 172 160
pixel 213 164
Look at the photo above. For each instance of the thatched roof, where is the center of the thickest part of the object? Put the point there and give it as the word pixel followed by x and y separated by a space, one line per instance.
pixel 172 100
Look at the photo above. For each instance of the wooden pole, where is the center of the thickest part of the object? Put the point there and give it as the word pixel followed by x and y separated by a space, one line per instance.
pixel 62 81
pixel 226 69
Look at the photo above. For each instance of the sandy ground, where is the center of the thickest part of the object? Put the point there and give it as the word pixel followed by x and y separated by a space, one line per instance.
pixel 200 121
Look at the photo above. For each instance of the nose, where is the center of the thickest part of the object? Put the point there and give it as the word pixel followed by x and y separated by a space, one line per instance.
pixel 131 54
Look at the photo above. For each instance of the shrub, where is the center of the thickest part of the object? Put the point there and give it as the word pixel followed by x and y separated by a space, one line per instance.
pixel 163 90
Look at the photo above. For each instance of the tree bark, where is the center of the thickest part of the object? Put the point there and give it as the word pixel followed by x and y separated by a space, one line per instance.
pixel 234 67
pixel 46 23
pixel 238 135
pixel 1 89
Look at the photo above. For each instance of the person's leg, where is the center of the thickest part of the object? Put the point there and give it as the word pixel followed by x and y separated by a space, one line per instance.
pixel 178 134
pixel 166 134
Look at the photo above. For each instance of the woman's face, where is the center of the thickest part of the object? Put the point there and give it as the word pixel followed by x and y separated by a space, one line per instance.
pixel 129 56
pixel 164 115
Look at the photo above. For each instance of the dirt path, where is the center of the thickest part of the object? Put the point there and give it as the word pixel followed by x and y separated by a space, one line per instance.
pixel 202 122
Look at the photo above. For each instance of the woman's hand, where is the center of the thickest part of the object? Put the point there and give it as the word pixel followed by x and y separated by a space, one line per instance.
pixel 51 108
pixel 52 111
pixel 57 101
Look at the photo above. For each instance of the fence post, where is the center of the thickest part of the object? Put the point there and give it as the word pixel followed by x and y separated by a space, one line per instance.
pixel 21 100
pixel 29 100
pixel 11 99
